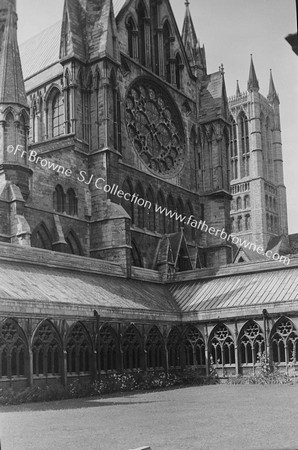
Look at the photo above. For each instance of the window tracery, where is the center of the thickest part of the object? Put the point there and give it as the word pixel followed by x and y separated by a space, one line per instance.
pixel 78 350
pixel 252 344
pixel 131 347
pixel 173 346
pixel 46 351
pixel 155 127
pixel 108 348
pixel 155 349
pixel 222 346
pixel 13 350
pixel 285 342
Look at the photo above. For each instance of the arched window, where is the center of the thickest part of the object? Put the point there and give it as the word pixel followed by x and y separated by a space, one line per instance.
pixel 34 122
pixel 141 12
pixel 239 203
pixel 127 204
pixel 167 51
pixel 140 210
pixel 67 104
pixel 194 347
pixel 41 237
pixel 266 201
pixel 71 203
pixel 178 71
pixel 10 130
pixel 132 348
pixel 109 353
pixel 252 343
pixel 244 140
pixel 239 223
pixel 131 33
pixel 57 115
pixel 174 348
pixel 284 341
pixel 79 350
pixel 222 346
pixel 155 349
pixel 46 350
pixel 247 222
pixel 172 223
pixel 59 199
pixel 151 225
pixel 234 150
pixel 115 113
pixel 161 218
pixel 13 350
pixel 246 202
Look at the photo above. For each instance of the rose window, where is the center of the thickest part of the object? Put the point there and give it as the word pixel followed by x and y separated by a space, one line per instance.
pixel 155 127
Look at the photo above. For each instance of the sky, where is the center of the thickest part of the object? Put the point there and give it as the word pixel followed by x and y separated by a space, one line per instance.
pixel 231 30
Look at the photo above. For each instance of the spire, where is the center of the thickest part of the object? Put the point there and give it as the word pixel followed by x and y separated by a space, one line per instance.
pixel 238 93
pixel 252 84
pixel 272 94
pixel 12 88
pixel 195 53
pixel 189 36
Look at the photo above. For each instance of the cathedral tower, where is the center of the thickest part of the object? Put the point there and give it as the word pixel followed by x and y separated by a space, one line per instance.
pixel 14 127
pixel 258 209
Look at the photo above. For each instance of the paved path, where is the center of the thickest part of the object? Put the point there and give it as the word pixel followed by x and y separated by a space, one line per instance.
pixel 217 417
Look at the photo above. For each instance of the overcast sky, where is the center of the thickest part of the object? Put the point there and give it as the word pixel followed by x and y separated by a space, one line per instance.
pixel 230 30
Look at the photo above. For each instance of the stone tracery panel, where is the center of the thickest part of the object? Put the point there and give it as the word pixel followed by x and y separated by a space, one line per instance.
pixel 155 127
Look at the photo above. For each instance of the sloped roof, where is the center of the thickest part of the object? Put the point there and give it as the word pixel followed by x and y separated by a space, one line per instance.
pixel 213 97
pixel 236 291
pixel 42 50
pixel 249 255
pixel 19 281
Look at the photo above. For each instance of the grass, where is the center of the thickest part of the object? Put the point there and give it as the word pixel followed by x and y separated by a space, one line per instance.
pixel 221 417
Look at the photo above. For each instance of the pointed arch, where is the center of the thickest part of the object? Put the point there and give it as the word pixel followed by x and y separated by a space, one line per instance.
pixel 142 14
pixel 131 37
pixel 41 237
pixel 14 356
pixel 108 348
pixel 67 102
pixel 9 129
pixel 221 346
pixel 155 349
pixel 79 349
pixel 174 347
pixel 71 202
pixel 167 33
pixel 178 70
pixel 244 144
pixel 284 341
pixel 132 349
pixel 194 347
pixel 55 112
pixel 73 243
pixel 46 349
pixel 251 343
pixel 59 199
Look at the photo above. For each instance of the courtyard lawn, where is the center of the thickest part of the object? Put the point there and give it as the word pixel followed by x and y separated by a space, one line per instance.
pixel 207 417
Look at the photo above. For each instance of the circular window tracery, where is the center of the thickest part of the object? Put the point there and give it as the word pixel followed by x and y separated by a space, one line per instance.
pixel 155 127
